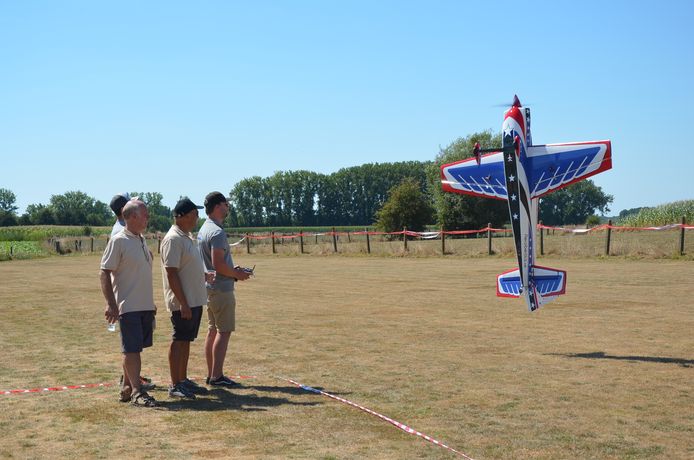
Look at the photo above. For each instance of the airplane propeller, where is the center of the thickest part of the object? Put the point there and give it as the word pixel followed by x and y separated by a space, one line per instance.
pixel 515 102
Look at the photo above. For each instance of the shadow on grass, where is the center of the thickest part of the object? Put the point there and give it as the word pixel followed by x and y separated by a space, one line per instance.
pixel 292 390
pixel 219 399
pixel 649 359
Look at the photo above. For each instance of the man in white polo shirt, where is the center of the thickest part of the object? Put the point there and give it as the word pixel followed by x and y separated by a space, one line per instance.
pixel 126 283
pixel 183 273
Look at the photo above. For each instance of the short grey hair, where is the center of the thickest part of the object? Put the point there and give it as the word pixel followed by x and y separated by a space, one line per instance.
pixel 132 208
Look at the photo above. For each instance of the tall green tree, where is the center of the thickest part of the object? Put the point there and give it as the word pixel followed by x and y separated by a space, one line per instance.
pixel 407 206
pixel 38 214
pixel 573 204
pixel 8 209
pixel 247 199
pixel 465 212
pixel 160 217
pixel 78 208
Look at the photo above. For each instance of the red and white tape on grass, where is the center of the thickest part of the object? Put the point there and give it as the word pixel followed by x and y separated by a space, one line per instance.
pixel 66 387
pixel 395 423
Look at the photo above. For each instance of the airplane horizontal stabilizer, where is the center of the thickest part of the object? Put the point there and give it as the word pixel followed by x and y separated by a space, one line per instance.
pixel 548 283
pixel 508 284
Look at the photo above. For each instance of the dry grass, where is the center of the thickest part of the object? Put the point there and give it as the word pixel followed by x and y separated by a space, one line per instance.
pixel 604 372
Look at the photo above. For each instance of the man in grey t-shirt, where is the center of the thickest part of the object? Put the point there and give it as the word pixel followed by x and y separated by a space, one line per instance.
pixel 221 303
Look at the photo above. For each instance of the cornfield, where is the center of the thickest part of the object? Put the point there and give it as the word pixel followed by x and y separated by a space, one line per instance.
pixel 670 213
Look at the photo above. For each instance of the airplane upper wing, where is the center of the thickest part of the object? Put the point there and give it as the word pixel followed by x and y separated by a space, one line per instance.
pixel 466 177
pixel 554 166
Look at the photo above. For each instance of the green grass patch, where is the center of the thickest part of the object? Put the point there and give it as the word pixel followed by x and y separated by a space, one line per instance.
pixel 44 232
pixel 22 250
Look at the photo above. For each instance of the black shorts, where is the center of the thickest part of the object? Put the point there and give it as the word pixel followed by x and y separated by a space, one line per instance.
pixel 186 330
pixel 136 329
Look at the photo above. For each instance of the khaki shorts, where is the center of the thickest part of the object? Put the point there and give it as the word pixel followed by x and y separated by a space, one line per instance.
pixel 221 310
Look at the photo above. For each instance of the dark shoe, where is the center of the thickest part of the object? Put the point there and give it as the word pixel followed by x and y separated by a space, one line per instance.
pixel 222 381
pixel 193 387
pixel 180 391
pixel 146 384
pixel 142 399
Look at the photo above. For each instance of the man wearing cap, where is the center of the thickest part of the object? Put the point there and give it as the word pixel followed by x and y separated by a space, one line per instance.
pixel 117 203
pixel 221 303
pixel 183 273
pixel 126 283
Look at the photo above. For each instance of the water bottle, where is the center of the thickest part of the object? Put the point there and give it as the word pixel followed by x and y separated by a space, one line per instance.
pixel 111 327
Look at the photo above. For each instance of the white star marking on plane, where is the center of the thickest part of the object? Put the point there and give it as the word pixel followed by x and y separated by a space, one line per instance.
pixel 513 197
pixel 511 178
pixel 515 217
pixel 508 132
pixel 510 158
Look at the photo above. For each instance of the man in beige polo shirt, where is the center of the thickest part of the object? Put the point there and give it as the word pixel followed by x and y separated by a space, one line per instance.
pixel 126 283
pixel 183 273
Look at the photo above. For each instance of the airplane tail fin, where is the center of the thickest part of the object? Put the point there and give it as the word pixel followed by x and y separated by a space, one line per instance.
pixel 544 284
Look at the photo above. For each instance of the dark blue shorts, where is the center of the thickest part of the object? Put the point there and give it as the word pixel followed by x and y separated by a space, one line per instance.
pixel 136 329
pixel 186 330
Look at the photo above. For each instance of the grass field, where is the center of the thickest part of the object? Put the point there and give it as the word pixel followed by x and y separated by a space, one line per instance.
pixel 606 371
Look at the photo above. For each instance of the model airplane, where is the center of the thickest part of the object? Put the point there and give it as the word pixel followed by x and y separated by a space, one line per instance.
pixel 521 173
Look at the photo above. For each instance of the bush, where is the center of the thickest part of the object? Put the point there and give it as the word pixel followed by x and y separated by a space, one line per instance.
pixel 592 221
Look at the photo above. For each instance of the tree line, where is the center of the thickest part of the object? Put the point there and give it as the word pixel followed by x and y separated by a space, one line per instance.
pixel 350 196
pixel 78 208
pixel 357 195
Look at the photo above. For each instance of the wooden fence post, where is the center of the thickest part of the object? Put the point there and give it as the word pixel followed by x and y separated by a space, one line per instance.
pixel 301 241
pixel 158 243
pixel 334 240
pixel 443 242
pixel 404 237
pixel 272 236
pixel 349 238
pixel 368 243
pixel 609 236
pixel 248 243
pixel 489 239
pixel 91 245
pixel 542 241
pixel 684 222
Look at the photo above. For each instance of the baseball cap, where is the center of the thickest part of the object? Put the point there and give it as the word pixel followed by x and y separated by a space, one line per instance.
pixel 184 206
pixel 118 201
pixel 212 199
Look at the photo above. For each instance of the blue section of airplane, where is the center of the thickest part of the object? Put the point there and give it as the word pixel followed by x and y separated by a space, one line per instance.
pixel 550 171
pixel 550 282
pixel 486 179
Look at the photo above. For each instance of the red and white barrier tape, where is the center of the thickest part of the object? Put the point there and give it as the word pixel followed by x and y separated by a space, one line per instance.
pixel 395 423
pixel 62 388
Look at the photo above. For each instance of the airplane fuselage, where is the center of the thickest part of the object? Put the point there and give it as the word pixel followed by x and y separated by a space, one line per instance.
pixel 522 208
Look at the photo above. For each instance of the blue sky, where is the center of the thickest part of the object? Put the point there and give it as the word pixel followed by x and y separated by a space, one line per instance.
pixel 187 97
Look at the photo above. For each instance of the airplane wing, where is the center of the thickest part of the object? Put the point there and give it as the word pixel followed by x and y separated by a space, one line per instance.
pixel 467 177
pixel 554 166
